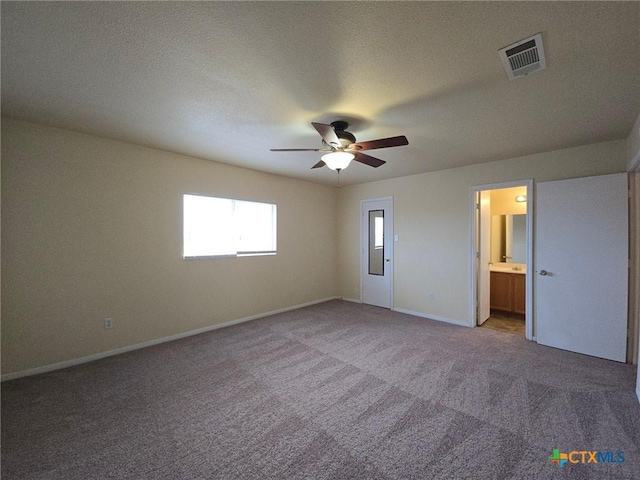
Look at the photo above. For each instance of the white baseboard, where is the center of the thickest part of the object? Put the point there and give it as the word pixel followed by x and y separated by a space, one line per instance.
pixel 129 348
pixel 460 323
pixel 354 300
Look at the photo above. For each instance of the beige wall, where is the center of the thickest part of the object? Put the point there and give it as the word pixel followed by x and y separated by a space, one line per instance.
pixel 503 201
pixel 91 228
pixel 432 219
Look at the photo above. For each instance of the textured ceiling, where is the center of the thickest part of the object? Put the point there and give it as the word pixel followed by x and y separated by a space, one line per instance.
pixel 226 81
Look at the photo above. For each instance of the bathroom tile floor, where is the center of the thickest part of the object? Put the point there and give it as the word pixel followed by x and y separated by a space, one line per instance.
pixel 505 322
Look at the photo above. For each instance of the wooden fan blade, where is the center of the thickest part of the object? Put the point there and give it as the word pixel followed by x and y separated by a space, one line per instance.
pixel 368 160
pixel 294 149
pixel 318 165
pixel 327 133
pixel 383 143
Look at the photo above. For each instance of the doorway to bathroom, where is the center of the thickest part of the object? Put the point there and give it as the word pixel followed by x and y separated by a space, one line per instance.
pixel 502 245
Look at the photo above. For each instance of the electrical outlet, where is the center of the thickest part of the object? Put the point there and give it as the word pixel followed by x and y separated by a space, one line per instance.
pixel 431 297
pixel 108 323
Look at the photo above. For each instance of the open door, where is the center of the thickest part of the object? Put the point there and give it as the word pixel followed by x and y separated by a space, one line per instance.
pixel 581 281
pixel 484 275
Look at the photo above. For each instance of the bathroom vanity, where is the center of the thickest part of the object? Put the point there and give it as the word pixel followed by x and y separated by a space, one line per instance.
pixel 508 289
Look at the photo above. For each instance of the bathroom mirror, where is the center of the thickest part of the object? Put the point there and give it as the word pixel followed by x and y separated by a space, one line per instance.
pixel 509 238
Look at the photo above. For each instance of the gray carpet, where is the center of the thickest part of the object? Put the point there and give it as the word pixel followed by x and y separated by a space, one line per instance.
pixel 333 391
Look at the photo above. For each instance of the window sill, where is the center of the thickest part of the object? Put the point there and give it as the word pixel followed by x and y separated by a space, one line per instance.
pixel 239 255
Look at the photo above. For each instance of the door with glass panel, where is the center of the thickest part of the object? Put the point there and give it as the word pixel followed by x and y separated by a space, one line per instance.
pixel 377 252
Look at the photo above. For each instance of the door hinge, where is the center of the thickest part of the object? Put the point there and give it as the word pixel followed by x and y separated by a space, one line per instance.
pixel 478 206
pixel 477 254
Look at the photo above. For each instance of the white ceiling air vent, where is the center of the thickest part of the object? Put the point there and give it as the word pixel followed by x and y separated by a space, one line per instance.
pixel 523 57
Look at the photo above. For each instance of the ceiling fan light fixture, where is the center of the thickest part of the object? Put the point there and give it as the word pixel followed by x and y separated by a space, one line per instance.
pixel 338 160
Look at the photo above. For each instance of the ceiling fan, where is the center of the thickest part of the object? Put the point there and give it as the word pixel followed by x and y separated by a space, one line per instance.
pixel 341 146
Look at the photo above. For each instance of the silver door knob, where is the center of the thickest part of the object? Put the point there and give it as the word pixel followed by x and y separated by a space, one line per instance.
pixel 542 272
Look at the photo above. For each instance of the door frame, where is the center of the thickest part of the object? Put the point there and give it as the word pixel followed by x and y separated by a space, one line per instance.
pixel 474 240
pixel 633 333
pixel 364 239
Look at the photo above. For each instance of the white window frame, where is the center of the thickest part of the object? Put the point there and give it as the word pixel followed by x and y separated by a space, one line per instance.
pixel 232 240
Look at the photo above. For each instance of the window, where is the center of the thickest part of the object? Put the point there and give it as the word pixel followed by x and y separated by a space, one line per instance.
pixel 225 227
pixel 379 232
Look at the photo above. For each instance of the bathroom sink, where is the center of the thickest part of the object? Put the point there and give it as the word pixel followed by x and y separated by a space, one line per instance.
pixel 508 269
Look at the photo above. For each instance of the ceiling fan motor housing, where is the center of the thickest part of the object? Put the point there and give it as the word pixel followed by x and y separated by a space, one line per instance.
pixel 346 138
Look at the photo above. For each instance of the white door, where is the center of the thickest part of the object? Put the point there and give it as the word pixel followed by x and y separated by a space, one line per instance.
pixel 484 250
pixel 581 262
pixel 377 252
